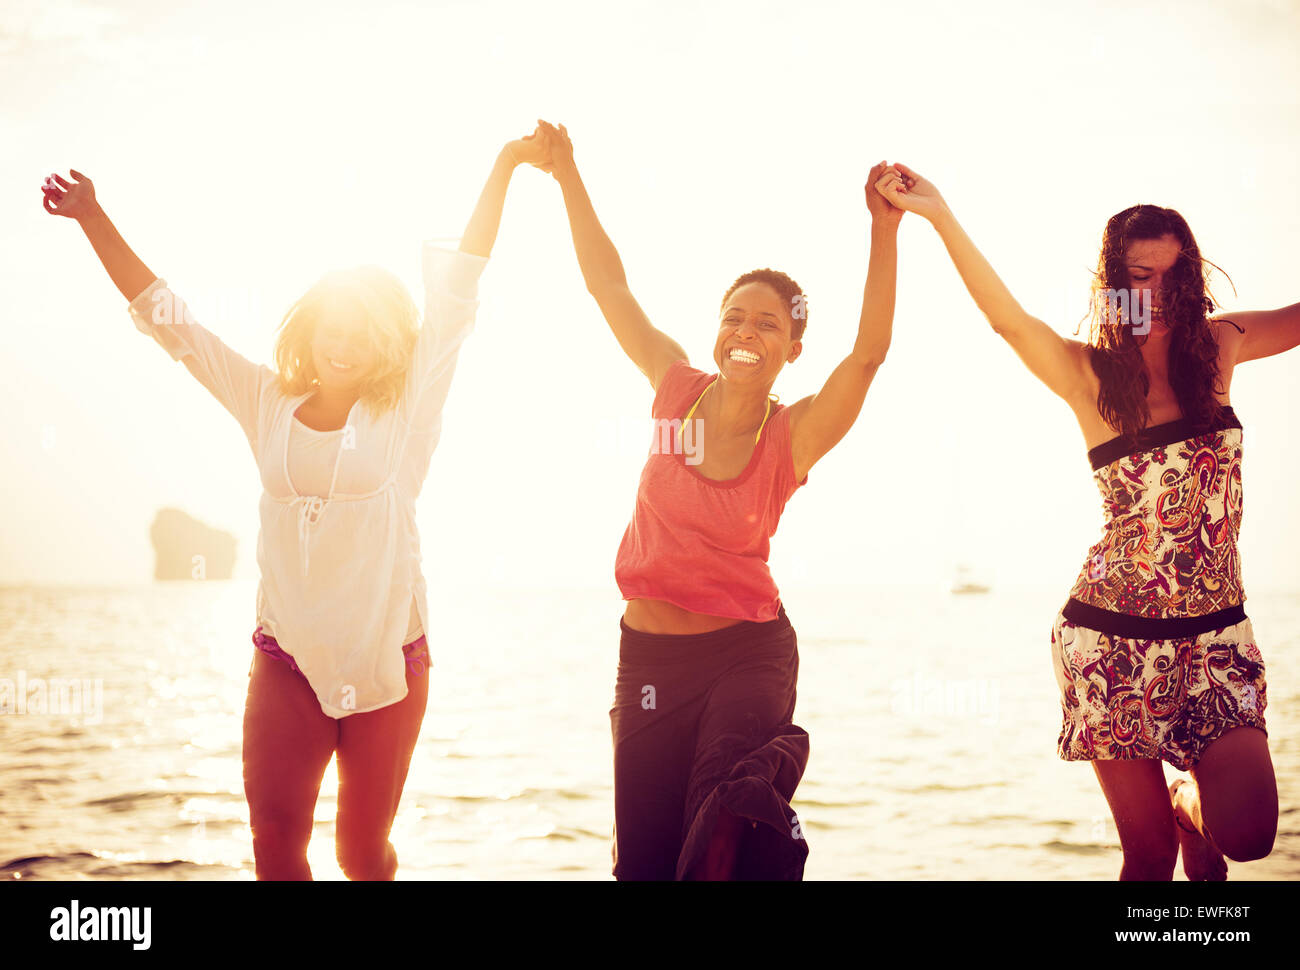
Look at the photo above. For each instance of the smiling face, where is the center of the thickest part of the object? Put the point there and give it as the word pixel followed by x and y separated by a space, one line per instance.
pixel 1147 262
pixel 341 349
pixel 754 337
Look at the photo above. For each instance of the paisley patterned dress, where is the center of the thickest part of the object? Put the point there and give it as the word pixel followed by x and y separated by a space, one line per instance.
pixel 1153 651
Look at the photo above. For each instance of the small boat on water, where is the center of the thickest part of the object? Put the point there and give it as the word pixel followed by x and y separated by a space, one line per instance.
pixel 963 584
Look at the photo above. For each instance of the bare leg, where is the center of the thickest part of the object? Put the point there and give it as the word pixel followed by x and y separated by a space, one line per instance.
pixel 1144 817
pixel 1235 798
pixel 288 741
pixel 374 756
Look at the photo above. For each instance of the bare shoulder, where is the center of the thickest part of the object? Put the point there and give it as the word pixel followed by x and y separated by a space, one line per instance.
pixel 1080 350
pixel 1081 353
pixel 1228 332
pixel 1086 389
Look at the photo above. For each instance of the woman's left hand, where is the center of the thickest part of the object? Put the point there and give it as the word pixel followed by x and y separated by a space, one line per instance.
pixel 883 212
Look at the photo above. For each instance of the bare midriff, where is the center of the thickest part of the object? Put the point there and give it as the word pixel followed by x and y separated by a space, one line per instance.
pixel 660 616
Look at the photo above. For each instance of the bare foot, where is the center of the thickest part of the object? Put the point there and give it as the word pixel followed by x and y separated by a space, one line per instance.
pixel 1202 862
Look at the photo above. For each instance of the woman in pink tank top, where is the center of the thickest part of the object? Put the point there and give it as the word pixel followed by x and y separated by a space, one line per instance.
pixel 706 755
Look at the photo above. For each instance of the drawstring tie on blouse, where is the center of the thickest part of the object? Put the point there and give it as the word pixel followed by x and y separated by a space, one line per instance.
pixel 313 507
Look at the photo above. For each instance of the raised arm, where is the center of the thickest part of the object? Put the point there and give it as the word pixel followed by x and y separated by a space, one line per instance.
pixel 481 230
pixel 817 423
pixel 237 383
pixel 1060 363
pixel 651 350
pixel 1267 332
pixel 451 281
pixel 76 200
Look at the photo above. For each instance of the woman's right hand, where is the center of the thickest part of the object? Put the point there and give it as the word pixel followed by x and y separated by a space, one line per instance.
pixel 561 149
pixel 907 190
pixel 531 150
pixel 76 200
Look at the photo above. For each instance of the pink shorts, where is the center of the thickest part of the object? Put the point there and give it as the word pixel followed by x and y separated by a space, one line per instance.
pixel 417 654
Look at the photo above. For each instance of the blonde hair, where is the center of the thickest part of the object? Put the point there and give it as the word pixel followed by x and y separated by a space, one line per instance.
pixel 385 309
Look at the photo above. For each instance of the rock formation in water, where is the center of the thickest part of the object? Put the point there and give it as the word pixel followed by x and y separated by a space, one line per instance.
pixel 185 548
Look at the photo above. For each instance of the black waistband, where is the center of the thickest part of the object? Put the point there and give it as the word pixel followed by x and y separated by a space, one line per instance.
pixel 1149 627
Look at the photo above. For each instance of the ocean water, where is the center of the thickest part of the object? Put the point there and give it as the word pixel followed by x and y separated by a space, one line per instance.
pixel 933 720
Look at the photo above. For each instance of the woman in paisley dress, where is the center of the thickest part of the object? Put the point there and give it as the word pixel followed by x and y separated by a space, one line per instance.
pixel 1154 653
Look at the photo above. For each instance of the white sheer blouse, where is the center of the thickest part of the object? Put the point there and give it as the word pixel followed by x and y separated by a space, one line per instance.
pixel 339 555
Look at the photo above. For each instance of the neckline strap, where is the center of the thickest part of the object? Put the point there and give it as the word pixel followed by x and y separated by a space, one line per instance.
pixel 686 420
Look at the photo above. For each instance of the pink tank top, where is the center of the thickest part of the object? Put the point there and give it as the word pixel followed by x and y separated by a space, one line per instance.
pixel 695 542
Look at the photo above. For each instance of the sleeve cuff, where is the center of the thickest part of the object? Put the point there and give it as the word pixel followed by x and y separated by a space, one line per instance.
pixel 143 304
pixel 151 313
pixel 452 271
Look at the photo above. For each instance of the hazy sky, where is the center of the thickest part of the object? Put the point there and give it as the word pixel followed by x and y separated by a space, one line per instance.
pixel 243 153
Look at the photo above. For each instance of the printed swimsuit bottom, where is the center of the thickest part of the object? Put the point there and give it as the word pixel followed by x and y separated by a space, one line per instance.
pixel 702 723
pixel 1125 697
pixel 417 656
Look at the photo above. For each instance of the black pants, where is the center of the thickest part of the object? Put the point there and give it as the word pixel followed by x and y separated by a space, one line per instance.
pixel 703 721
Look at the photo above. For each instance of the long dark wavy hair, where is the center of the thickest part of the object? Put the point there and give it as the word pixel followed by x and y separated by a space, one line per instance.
pixel 1186 301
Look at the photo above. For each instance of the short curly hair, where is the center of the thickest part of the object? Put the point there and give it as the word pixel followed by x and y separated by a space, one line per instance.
pixel 786 288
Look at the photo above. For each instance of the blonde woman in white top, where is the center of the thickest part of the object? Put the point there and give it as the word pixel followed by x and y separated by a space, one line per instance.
pixel 342 431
